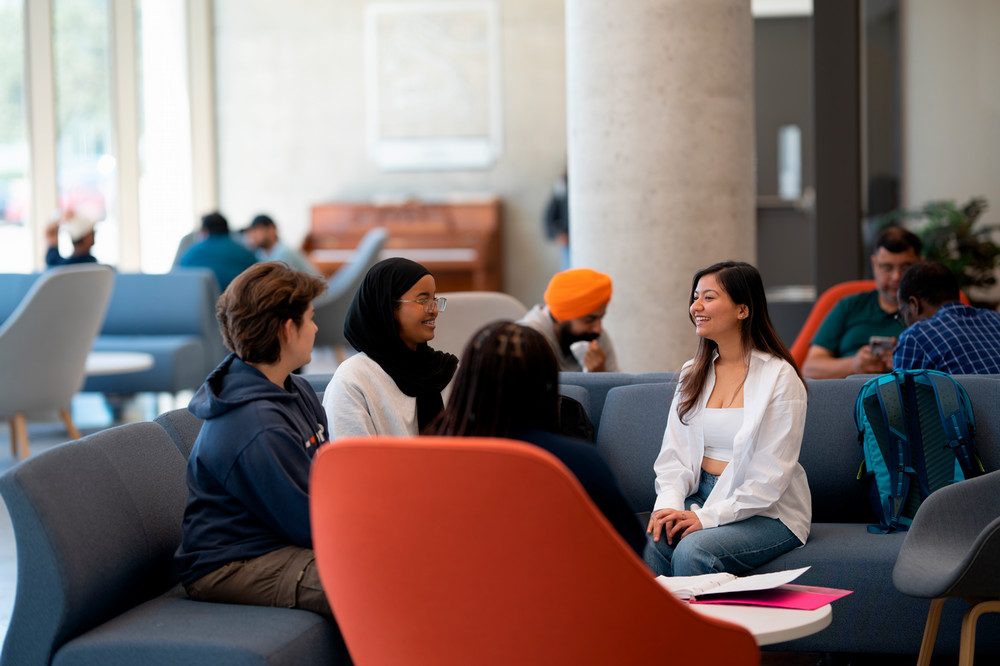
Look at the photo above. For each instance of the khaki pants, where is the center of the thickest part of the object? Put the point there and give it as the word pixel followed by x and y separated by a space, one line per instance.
pixel 286 578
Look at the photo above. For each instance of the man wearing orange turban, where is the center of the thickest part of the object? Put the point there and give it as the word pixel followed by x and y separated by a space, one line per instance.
pixel 570 319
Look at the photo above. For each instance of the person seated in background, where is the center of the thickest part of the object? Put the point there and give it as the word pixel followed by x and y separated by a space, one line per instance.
pixel 942 333
pixel 393 385
pixel 507 386
pixel 262 237
pixel 841 345
pixel 246 532
pixel 571 320
pixel 80 230
pixel 730 492
pixel 218 251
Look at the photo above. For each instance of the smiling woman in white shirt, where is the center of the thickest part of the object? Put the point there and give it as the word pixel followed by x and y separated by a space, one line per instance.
pixel 393 385
pixel 730 493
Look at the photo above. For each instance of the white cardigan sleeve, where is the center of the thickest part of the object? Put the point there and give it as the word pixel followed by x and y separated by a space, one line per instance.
pixel 678 465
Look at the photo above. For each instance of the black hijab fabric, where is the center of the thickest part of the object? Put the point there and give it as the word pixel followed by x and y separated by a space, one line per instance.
pixel 371 327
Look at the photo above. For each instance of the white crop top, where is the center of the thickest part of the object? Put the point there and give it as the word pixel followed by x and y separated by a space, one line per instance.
pixel 720 427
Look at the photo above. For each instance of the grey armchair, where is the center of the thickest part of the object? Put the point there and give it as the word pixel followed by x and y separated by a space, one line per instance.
pixel 331 308
pixel 467 312
pixel 952 549
pixel 44 345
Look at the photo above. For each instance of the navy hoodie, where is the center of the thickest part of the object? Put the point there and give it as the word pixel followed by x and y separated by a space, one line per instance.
pixel 248 473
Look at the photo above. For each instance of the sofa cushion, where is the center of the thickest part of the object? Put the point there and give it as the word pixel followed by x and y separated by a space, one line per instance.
pixel 630 435
pixel 96 523
pixel 831 454
pixel 172 629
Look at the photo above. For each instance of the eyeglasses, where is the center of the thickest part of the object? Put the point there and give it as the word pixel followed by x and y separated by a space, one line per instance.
pixel 428 304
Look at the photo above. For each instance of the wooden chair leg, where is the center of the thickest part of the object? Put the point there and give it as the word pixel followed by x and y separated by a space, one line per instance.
pixel 19 436
pixel 969 620
pixel 340 353
pixel 930 632
pixel 67 419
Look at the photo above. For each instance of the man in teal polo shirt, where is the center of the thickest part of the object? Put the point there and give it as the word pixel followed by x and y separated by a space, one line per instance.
pixel 840 347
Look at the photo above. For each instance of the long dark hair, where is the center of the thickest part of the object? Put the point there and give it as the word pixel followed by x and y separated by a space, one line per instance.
pixel 742 283
pixel 508 381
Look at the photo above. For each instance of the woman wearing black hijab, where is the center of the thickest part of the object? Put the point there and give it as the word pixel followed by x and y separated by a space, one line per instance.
pixel 393 385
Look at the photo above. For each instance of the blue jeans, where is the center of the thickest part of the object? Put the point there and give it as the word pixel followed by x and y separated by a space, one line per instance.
pixel 736 547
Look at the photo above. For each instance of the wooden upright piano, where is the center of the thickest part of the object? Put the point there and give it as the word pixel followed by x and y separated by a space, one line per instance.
pixel 458 241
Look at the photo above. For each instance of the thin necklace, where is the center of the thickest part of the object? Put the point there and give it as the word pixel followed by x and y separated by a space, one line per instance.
pixel 736 393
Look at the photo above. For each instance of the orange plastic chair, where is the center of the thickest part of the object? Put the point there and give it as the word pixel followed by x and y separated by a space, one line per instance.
pixel 823 305
pixel 820 309
pixel 442 550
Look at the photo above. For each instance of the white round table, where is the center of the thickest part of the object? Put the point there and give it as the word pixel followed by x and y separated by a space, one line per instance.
pixel 770 625
pixel 113 363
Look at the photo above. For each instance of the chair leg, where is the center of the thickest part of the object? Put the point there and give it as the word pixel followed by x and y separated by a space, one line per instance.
pixel 340 353
pixel 19 436
pixel 67 419
pixel 969 620
pixel 930 632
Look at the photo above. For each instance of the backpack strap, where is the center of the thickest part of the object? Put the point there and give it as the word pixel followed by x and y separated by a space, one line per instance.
pixel 917 460
pixel 956 421
pixel 897 454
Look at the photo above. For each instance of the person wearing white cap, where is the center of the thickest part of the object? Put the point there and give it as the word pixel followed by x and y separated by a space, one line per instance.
pixel 81 232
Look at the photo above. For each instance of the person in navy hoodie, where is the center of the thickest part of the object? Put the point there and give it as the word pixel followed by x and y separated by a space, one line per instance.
pixel 247 537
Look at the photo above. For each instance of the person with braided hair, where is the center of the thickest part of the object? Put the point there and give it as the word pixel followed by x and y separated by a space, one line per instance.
pixel 507 385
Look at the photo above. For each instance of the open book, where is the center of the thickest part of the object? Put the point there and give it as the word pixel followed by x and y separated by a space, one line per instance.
pixel 771 589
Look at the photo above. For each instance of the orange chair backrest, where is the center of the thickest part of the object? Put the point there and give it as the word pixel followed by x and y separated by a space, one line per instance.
pixel 438 550
pixel 822 307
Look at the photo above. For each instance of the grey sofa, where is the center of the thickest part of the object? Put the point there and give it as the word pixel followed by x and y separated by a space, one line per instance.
pixel 97 520
pixel 169 315
pixel 840 551
pixel 96 523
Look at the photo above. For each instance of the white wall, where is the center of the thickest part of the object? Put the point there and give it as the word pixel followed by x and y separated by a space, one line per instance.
pixel 291 122
pixel 951 101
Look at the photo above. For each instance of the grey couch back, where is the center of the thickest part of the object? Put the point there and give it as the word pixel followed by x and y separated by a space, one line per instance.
pixel 13 287
pixel 630 434
pixel 181 302
pixel 598 384
pixel 96 528
pixel 183 427
pixel 634 418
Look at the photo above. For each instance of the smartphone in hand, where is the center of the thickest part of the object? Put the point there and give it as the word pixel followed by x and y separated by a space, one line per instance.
pixel 881 343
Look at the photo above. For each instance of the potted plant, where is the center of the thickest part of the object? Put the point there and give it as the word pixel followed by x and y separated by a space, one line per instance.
pixel 950 235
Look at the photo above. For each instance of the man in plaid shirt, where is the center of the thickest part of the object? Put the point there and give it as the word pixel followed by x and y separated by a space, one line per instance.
pixel 942 333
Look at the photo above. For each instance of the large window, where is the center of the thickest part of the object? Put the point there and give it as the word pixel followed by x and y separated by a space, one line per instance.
pixel 165 185
pixel 96 116
pixel 15 188
pixel 84 149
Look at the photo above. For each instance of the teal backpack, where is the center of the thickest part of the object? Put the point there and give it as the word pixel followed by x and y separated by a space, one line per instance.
pixel 916 429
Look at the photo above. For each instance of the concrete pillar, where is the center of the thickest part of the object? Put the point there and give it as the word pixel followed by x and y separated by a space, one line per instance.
pixel 661 159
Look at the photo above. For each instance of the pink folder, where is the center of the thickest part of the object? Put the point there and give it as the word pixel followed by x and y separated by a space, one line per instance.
pixel 800 597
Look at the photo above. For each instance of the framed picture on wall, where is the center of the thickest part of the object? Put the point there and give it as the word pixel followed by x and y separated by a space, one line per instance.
pixel 433 85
